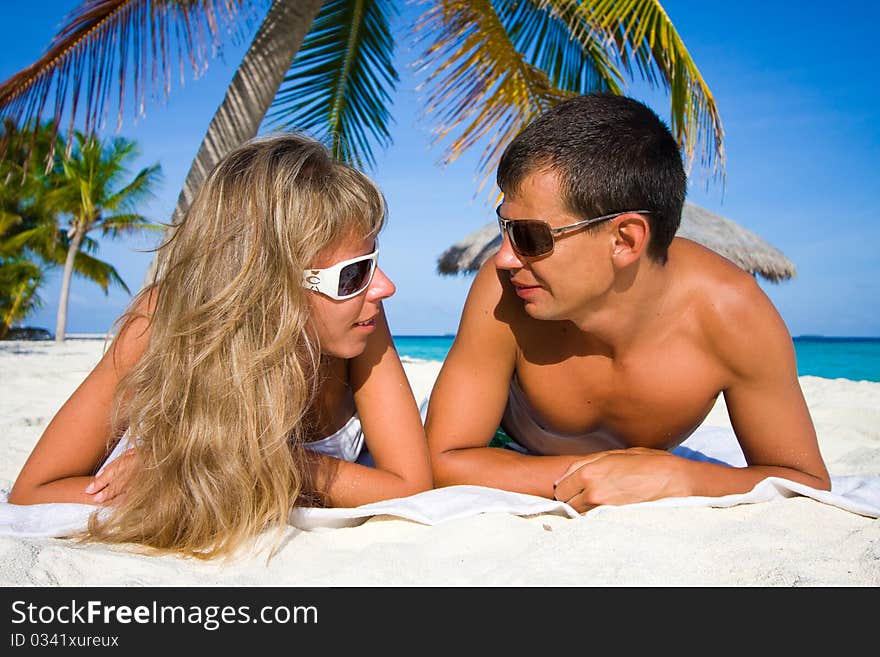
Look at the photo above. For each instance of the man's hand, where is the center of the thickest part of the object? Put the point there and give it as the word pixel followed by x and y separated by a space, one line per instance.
pixel 109 485
pixel 621 476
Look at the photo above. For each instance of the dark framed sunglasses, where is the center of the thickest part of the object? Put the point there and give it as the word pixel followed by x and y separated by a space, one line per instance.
pixel 535 237
pixel 343 280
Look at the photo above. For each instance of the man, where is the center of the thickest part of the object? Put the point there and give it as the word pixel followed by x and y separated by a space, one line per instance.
pixel 598 342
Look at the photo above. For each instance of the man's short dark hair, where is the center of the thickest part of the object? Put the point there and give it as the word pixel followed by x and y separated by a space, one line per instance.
pixel 611 153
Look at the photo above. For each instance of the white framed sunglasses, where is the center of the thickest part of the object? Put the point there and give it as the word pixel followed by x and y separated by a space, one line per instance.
pixel 343 280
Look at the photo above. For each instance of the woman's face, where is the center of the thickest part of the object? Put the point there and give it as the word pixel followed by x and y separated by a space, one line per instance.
pixel 342 327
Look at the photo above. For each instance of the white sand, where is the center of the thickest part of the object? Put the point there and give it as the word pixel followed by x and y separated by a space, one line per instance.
pixel 793 542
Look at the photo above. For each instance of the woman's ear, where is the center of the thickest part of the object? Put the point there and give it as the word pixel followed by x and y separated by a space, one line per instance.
pixel 631 235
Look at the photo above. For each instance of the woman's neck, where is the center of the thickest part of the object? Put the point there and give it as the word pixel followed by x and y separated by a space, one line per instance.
pixel 334 403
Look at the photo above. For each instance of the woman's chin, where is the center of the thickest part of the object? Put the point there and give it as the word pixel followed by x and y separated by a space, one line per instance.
pixel 351 348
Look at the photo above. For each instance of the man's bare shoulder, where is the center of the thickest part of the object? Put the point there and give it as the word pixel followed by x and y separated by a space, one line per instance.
pixel 700 266
pixel 735 316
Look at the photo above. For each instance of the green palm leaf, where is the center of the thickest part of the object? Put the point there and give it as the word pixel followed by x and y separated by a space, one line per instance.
pixel 89 245
pixel 340 84
pixel 98 271
pixel 479 82
pixel 550 35
pixel 125 224
pixel 8 222
pixel 494 65
pixel 19 281
pixel 102 42
pixel 49 244
pixel 41 239
pixel 138 190
pixel 643 33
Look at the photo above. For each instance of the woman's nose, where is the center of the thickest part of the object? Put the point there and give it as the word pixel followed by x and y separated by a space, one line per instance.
pixel 381 286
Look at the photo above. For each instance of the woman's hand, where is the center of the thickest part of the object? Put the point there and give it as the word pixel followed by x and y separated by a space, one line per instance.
pixel 109 485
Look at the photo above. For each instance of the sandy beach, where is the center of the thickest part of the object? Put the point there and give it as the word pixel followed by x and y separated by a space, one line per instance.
pixel 791 542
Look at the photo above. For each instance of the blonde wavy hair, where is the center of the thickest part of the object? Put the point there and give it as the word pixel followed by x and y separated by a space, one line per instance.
pixel 219 399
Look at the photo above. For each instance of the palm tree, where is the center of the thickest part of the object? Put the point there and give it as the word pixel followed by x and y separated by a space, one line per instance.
pixel 40 190
pixel 490 66
pixel 92 194
pixel 19 280
pixel 23 188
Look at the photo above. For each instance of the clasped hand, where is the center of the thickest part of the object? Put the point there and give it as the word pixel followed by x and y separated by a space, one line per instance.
pixel 620 476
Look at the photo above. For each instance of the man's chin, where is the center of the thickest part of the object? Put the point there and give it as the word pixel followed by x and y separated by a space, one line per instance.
pixel 538 311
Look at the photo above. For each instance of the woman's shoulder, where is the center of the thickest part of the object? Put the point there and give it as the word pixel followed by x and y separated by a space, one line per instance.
pixel 135 327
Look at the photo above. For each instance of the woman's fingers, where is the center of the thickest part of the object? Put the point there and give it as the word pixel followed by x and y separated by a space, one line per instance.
pixel 99 481
pixel 110 483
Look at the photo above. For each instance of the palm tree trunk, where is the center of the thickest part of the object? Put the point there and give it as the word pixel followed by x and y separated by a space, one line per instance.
pixel 61 323
pixel 250 93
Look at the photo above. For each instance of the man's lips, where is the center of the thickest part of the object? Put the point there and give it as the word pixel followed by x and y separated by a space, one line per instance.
pixel 525 291
pixel 523 286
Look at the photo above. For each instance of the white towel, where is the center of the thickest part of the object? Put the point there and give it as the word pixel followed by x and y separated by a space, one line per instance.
pixel 857 494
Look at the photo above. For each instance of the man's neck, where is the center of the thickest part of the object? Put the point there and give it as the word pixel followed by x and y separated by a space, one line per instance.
pixel 633 307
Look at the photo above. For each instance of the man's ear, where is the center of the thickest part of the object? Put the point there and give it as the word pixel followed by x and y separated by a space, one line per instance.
pixel 632 232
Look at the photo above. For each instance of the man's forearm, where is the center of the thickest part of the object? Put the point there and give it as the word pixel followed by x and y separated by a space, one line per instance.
pixel 714 480
pixel 500 468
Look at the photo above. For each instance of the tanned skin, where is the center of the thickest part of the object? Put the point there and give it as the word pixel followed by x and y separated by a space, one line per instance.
pixel 605 340
pixel 62 466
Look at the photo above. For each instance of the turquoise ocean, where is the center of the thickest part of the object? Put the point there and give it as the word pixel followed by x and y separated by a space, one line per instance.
pixel 857 359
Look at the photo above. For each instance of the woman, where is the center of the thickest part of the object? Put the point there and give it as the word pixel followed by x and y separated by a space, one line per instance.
pixel 248 376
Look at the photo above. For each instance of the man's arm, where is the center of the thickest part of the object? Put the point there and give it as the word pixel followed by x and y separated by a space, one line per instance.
pixel 764 398
pixel 469 397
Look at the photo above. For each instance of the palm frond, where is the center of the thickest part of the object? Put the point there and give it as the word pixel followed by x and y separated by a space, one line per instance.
pixel 47 242
pixel 341 81
pixel 101 43
pixel 496 64
pixel 550 35
pixel 94 184
pixel 8 222
pixel 125 224
pixel 98 271
pixel 41 240
pixel 19 281
pixel 139 189
pixel 480 84
pixel 89 245
pixel 643 34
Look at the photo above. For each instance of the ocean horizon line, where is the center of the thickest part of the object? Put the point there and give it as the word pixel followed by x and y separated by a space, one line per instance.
pixel 83 335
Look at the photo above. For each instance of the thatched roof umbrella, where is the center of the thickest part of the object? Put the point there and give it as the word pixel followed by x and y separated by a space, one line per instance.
pixel 723 236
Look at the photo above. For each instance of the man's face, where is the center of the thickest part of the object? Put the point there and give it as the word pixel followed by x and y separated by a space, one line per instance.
pixel 573 278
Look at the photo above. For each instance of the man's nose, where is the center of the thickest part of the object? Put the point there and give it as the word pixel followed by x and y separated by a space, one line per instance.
pixel 507 258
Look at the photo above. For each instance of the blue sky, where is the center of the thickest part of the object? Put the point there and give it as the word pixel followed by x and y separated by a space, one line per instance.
pixel 798 95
